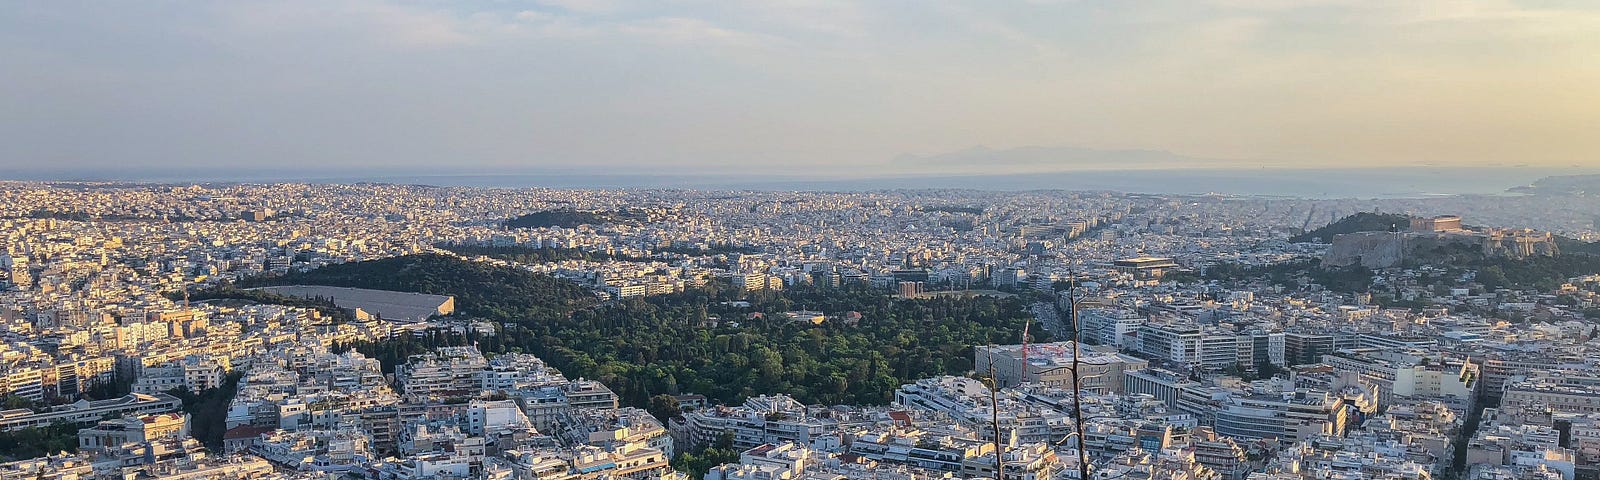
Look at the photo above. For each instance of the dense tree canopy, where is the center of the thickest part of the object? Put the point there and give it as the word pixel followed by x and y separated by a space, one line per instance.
pixel 569 218
pixel 500 293
pixel 670 344
pixel 1360 222
pixel 702 341
pixel 324 306
pixel 531 255
pixel 1573 245
pixel 37 442
pixel 208 410
pixel 1543 273
pixel 1539 272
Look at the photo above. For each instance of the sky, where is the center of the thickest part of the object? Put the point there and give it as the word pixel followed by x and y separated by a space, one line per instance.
pixel 791 86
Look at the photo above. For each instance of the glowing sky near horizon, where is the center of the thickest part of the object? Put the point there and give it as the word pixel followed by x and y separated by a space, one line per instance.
pixel 790 85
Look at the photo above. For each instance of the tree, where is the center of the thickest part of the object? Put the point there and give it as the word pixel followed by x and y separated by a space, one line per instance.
pixel 1268 370
pixel 664 407
pixel 39 441
pixel 1237 370
pixel 119 386
pixel 15 402
pixel 696 465
pixel 1493 277
pixel 661 344
pixel 208 410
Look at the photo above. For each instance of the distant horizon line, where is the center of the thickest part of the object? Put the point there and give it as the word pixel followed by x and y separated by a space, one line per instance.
pixel 1304 182
pixel 239 174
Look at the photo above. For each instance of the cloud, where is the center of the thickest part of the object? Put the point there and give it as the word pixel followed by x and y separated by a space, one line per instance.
pixel 692 30
pixel 380 23
pixel 584 6
pixel 798 84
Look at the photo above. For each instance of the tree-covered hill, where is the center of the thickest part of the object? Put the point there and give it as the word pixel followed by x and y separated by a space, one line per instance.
pixel 1569 245
pixel 700 341
pixel 1539 273
pixel 569 218
pixel 531 255
pixel 325 306
pixel 501 293
pixel 1360 222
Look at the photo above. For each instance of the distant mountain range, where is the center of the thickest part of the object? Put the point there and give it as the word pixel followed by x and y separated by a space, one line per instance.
pixel 1562 185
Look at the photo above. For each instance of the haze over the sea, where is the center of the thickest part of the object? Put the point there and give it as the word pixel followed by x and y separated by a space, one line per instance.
pixel 1303 183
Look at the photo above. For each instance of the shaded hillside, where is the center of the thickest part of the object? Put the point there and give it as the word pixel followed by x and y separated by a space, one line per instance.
pixel 1360 222
pixel 1562 185
pixel 571 218
pixel 1542 273
pixel 230 292
pixel 480 289
pixel 1575 246
pixel 531 255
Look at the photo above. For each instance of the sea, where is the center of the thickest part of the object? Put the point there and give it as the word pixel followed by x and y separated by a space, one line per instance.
pixel 1390 182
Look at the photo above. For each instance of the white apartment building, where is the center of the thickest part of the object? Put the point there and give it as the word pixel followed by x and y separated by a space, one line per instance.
pixel 195 373
pixel 1051 364
pixel 1174 342
pixel 1401 377
pixel 1278 410
pixel 1110 327
pixel 445 371
pixel 23 381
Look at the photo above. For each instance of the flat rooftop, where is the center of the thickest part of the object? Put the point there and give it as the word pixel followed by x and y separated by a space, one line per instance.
pixel 391 305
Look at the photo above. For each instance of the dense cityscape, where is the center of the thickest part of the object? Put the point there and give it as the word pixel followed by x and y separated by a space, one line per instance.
pixel 382 331
pixel 800 240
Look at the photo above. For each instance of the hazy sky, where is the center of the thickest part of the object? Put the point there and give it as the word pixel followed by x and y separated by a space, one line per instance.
pixel 791 85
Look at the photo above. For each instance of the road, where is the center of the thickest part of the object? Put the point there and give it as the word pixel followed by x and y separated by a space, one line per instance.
pixel 1046 316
